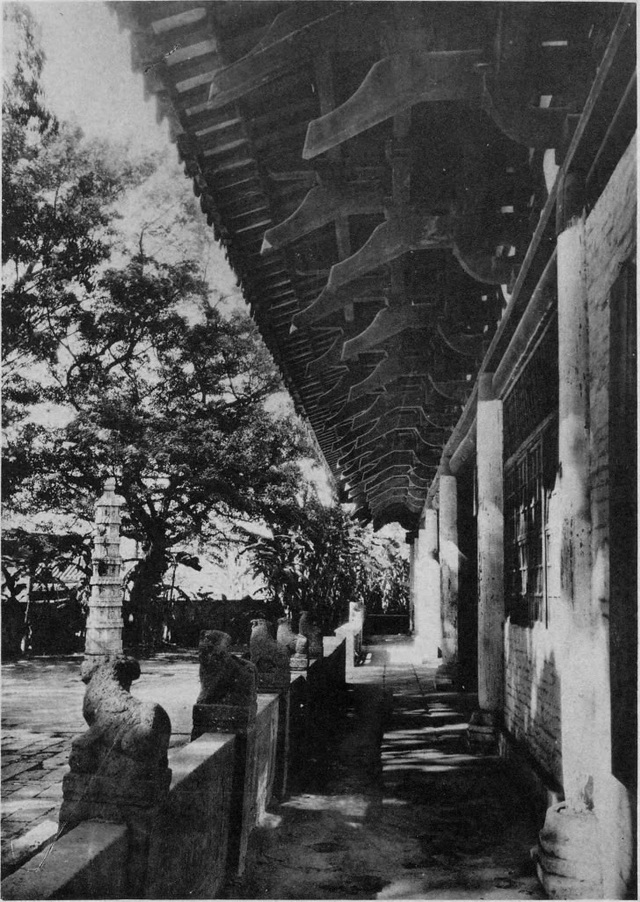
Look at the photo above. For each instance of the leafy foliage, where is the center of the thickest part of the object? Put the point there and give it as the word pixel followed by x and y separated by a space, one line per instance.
pixel 149 381
pixel 325 561
pixel 58 209
pixel 40 562
pixel 169 396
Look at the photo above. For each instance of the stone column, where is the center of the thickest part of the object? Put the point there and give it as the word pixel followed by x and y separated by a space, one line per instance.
pixel 411 541
pixel 104 621
pixel 573 449
pixel 449 565
pixel 271 661
pixel 572 826
pixel 427 624
pixel 490 519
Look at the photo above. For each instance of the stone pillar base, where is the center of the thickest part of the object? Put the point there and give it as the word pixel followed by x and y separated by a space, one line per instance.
pixel 447 678
pixel 567 856
pixel 299 663
pixel 276 682
pixel 483 733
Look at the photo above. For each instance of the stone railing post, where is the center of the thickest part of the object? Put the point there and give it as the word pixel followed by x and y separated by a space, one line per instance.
pixel 104 620
pixel 271 660
pixel 228 703
pixel 118 768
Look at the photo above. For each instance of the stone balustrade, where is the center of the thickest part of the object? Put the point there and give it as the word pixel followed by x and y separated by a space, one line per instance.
pixel 198 837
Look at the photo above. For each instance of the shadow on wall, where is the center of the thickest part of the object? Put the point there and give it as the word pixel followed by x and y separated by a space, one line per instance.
pixel 467 586
pixel 533 715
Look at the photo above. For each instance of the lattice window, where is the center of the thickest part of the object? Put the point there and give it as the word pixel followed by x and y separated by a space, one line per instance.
pixel 529 481
pixel 531 463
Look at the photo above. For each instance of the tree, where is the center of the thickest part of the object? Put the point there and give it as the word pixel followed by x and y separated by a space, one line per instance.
pixel 169 396
pixel 58 210
pixel 149 381
pixel 31 560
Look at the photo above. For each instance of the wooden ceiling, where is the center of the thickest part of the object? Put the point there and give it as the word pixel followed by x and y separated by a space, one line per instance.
pixel 375 171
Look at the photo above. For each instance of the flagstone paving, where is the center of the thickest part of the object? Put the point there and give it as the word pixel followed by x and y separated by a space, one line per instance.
pixel 398 810
pixel 413 817
pixel 41 713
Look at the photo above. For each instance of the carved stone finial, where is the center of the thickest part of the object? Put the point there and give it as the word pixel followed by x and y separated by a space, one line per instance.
pixel 310 628
pixel 228 685
pixel 270 658
pixel 285 635
pixel 300 657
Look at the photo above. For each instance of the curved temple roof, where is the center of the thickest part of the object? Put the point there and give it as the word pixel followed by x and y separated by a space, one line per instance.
pixel 376 173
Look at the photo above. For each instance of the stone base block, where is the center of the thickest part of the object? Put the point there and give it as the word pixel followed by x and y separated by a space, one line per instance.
pixel 299 663
pixel 87 863
pixel 567 856
pixel 483 733
pixel 89 796
pixel 221 719
pixel 274 682
pixel 446 678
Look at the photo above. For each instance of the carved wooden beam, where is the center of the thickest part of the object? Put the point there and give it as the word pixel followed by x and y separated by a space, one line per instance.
pixel 386 433
pixel 401 417
pixel 387 323
pixel 398 484
pixel 394 459
pixel 458 390
pixel 322 205
pixel 461 344
pixel 390 369
pixel 528 125
pixel 335 395
pixel 384 436
pixel 381 502
pixel 385 462
pixel 390 402
pixel 329 302
pixel 405 230
pixel 330 360
pixel 406 460
pixel 293 35
pixel 344 414
pixel 485 267
pixel 343 443
pixel 404 477
pixel 393 440
pixel 393 85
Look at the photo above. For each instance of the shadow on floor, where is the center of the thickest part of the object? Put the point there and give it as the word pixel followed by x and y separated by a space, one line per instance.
pixel 410 814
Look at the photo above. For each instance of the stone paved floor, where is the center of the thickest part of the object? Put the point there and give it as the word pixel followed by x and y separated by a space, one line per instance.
pixel 42 712
pixel 416 817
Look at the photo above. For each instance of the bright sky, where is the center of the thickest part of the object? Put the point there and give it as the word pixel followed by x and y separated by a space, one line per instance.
pixel 88 75
pixel 88 79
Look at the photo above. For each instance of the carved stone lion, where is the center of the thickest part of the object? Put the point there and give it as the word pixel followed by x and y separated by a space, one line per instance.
pixel 120 763
pixel 224 679
pixel 270 658
pixel 119 722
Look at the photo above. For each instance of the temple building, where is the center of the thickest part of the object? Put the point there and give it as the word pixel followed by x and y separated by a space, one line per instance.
pixel 430 208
